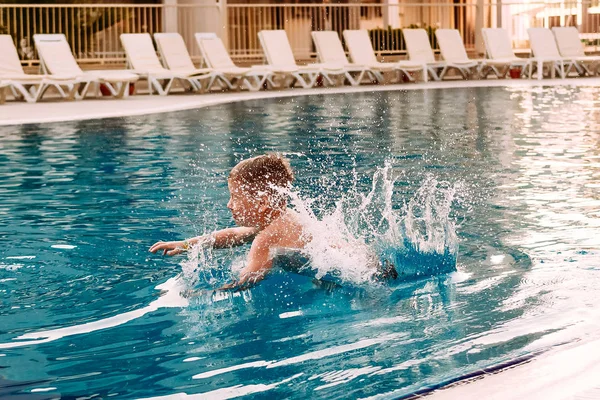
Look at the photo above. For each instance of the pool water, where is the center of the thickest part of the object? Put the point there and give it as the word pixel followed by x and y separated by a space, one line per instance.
pixel 86 310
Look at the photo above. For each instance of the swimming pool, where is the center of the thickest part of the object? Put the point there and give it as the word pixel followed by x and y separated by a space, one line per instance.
pixel 81 202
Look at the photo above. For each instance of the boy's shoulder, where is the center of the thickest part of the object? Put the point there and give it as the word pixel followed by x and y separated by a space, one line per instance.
pixel 284 229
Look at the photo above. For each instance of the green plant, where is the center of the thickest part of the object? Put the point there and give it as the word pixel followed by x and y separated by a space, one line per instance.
pixel 391 39
pixel 78 24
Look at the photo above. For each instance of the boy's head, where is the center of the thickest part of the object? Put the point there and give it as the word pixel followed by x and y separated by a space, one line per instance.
pixel 255 186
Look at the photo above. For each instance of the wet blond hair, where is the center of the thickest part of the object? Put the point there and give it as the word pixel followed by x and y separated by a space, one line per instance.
pixel 264 172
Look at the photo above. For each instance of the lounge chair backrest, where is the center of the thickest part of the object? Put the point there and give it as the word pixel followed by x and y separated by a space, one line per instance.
pixel 214 52
pixel 568 41
pixel 140 52
pixel 9 62
pixel 204 35
pixel 277 49
pixel 418 46
pixel 360 47
pixel 55 54
pixel 497 43
pixel 542 43
pixel 329 47
pixel 173 51
pixel 451 45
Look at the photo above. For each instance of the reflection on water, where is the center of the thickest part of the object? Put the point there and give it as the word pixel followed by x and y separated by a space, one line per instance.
pixel 81 202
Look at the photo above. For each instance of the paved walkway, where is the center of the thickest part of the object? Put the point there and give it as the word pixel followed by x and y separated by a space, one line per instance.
pixel 568 372
pixel 13 113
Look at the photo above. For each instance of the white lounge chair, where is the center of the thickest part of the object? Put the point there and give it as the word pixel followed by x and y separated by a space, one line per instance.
pixel 545 52
pixel 331 51
pixel 500 57
pixel 175 56
pixel 30 87
pixel 142 59
pixel 215 56
pixel 3 88
pixel 419 50
pixel 454 52
pixel 281 61
pixel 362 53
pixel 570 46
pixel 57 59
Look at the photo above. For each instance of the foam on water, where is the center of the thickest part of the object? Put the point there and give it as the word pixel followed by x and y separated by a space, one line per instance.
pixel 349 240
pixel 364 229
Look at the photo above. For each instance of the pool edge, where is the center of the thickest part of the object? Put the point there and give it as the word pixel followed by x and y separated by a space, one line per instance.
pixel 61 111
pixel 567 371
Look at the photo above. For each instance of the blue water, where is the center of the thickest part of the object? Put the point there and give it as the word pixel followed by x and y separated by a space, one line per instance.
pixel 81 202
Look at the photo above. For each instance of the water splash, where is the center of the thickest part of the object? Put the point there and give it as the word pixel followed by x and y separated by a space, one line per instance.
pixel 200 264
pixel 365 230
pixel 349 241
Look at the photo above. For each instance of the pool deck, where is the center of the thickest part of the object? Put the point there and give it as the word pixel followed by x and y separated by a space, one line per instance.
pixel 567 372
pixel 570 371
pixel 16 113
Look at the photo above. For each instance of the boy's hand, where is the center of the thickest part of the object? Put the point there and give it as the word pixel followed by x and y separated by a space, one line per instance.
pixel 169 248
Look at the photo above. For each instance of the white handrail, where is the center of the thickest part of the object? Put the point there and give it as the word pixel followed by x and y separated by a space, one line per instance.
pixel 93 29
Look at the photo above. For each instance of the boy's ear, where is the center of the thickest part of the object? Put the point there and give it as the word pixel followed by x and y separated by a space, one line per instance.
pixel 263 203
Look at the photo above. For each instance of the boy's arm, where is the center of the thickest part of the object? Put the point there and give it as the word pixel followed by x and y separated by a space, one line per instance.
pixel 224 238
pixel 259 263
pixel 232 237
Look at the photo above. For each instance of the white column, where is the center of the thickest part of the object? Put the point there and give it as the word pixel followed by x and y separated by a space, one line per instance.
pixel 499 14
pixel 479 45
pixel 224 22
pixel 391 14
pixel 198 16
pixel 170 23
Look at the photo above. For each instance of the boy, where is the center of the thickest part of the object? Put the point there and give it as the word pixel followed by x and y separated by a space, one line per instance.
pixel 259 207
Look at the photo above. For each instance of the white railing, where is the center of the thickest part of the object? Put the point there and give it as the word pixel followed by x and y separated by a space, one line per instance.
pixel 93 29
pixel 382 21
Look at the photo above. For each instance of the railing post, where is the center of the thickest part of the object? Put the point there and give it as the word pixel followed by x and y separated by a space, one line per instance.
pixel 354 15
pixel 499 13
pixel 479 15
pixel 391 14
pixel 170 16
pixel 224 22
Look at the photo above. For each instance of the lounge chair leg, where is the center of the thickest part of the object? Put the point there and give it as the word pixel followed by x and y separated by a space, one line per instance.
pixel 263 81
pixel 434 75
pixel 312 80
pixel 348 77
pixel 71 93
pixel 80 94
pixel 16 94
pixel 254 83
pixel 443 73
pixel 39 93
pixel 22 93
pixel 298 78
pixel 60 90
pixel 150 85
pixel 408 75
pixel 361 77
pixel 378 76
pixel 328 80
pixel 123 90
pixel 582 69
pixel 270 80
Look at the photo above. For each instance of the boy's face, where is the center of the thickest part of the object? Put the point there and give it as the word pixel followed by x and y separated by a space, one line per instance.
pixel 246 207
